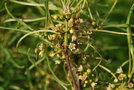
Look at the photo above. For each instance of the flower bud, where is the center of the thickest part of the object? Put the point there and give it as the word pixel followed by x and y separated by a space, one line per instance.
pixel 116 80
pixel 41 52
pixel 51 54
pixel 77 15
pixel 84 85
pixel 70 23
pixel 61 16
pixel 80 69
pixel 93 84
pixel 80 77
pixel 74 38
pixel 88 71
pixel 36 50
pixel 129 75
pixel 57 62
pixel 93 23
pixel 71 31
pixel 77 21
pixel 86 82
pixel 55 17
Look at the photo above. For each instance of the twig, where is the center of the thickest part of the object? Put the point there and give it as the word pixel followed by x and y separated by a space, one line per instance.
pixel 69 67
pixel 67 57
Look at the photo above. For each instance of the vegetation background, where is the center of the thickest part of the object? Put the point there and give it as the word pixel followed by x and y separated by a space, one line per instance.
pixel 16 62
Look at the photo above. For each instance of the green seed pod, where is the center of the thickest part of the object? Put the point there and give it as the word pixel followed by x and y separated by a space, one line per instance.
pixel 70 22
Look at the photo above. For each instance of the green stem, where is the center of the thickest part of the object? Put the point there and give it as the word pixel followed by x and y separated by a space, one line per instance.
pixel 112 32
pixel 34 32
pixel 14 29
pixel 106 69
pixel 113 6
pixel 26 20
pixel 66 35
pixel 18 20
pixel 48 16
pixel 55 77
pixel 99 55
pixel 130 43
pixel 115 25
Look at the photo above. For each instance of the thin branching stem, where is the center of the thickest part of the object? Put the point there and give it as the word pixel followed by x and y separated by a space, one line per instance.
pixel 113 6
pixel 18 20
pixel 112 32
pixel 68 58
pixel 130 43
